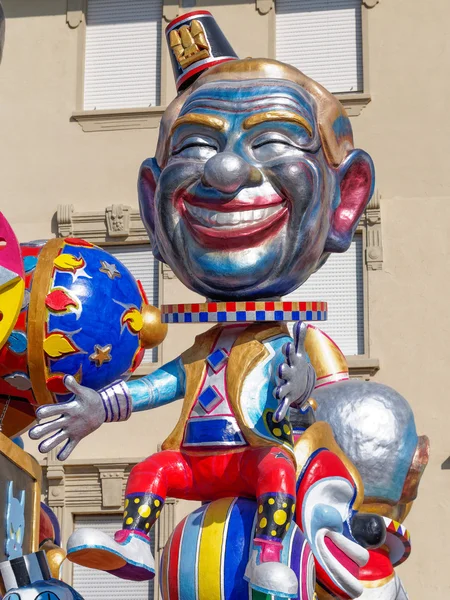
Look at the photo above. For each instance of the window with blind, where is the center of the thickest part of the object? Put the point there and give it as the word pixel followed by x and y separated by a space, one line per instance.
pixel 340 283
pixel 140 261
pixel 323 39
pixel 123 54
pixel 100 585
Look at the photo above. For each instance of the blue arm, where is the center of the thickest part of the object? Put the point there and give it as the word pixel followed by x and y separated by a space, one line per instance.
pixel 163 386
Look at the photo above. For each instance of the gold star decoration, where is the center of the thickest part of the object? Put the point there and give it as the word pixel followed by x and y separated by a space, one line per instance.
pixel 101 355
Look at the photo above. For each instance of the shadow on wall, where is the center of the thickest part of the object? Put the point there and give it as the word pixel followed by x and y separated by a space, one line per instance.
pixel 446 464
pixel 16 9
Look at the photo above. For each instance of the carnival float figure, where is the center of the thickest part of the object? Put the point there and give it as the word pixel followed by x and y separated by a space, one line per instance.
pixel 255 182
pixel 26 525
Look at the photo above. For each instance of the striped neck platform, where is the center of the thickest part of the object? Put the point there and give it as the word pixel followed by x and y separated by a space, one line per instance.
pixel 244 312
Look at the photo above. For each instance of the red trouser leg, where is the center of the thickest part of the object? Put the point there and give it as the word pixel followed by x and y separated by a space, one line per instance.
pixel 265 473
pixel 149 484
pixel 274 471
pixel 269 470
pixel 162 473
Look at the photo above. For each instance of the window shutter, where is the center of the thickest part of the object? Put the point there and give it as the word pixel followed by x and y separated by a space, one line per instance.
pixel 123 54
pixel 340 283
pixel 140 261
pixel 323 39
pixel 99 585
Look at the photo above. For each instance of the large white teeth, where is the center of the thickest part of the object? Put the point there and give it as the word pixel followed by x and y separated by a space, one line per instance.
pixel 212 218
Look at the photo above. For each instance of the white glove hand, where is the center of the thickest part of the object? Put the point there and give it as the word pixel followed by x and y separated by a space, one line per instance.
pixel 77 419
pixel 296 376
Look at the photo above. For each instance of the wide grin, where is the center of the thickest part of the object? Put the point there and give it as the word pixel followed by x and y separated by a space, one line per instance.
pixel 232 220
pixel 236 224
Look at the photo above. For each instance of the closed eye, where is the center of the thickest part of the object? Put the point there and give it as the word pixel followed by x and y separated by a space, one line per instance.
pixel 267 148
pixel 193 145
pixel 275 141
pixel 195 148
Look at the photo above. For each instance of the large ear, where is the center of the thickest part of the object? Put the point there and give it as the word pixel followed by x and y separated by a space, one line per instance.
pixel 357 180
pixel 149 174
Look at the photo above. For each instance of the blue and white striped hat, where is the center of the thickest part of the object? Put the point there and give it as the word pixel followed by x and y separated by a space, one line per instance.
pixel 25 570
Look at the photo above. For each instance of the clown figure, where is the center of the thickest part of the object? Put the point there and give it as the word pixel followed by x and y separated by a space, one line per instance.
pixel 255 182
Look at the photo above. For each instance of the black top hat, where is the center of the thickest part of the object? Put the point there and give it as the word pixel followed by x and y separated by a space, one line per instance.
pixel 196 43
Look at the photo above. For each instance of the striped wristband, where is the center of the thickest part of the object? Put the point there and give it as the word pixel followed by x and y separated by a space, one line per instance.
pixel 116 402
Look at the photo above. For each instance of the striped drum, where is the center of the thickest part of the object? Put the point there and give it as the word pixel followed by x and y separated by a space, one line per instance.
pixel 206 555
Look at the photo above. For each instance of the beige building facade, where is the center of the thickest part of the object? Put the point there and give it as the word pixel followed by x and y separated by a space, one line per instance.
pixel 69 167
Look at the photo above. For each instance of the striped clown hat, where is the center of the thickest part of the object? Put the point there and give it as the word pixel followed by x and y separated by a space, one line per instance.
pixel 196 43
pixel 29 578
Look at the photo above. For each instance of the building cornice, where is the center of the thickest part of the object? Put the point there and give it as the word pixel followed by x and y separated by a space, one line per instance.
pixel 265 6
pixel 74 15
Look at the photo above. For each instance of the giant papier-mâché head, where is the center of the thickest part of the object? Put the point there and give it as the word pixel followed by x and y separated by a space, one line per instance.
pixel 255 181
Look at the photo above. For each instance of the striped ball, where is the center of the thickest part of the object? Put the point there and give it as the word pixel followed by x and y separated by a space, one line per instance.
pixel 206 555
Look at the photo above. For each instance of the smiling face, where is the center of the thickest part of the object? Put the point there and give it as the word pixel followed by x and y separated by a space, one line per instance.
pixel 244 204
pixel 240 202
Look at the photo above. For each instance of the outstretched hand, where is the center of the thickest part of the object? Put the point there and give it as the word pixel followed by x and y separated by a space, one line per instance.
pixel 296 377
pixel 76 419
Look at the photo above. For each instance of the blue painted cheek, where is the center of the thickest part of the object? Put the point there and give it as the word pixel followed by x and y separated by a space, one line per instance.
pixel 324 516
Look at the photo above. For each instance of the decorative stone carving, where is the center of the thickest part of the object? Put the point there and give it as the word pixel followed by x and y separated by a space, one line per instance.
pixel 112 477
pixel 64 219
pixel 118 220
pixel 74 13
pixel 264 6
pixel 374 241
pixel 167 272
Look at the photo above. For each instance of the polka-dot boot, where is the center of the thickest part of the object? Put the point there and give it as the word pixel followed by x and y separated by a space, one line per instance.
pixel 128 555
pixel 265 572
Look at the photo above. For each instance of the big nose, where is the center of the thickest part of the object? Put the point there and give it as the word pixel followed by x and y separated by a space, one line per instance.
pixel 227 172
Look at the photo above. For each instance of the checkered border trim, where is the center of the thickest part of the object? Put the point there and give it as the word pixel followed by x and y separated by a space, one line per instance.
pixel 222 312
pixel 399 531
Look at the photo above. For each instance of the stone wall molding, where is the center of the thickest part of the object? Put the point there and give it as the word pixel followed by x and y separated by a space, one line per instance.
pixel 111 478
pixel 370 3
pixel 371 221
pixel 116 223
pixel 118 220
pixel 264 6
pixel 171 9
pixel 119 119
pixel 74 16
